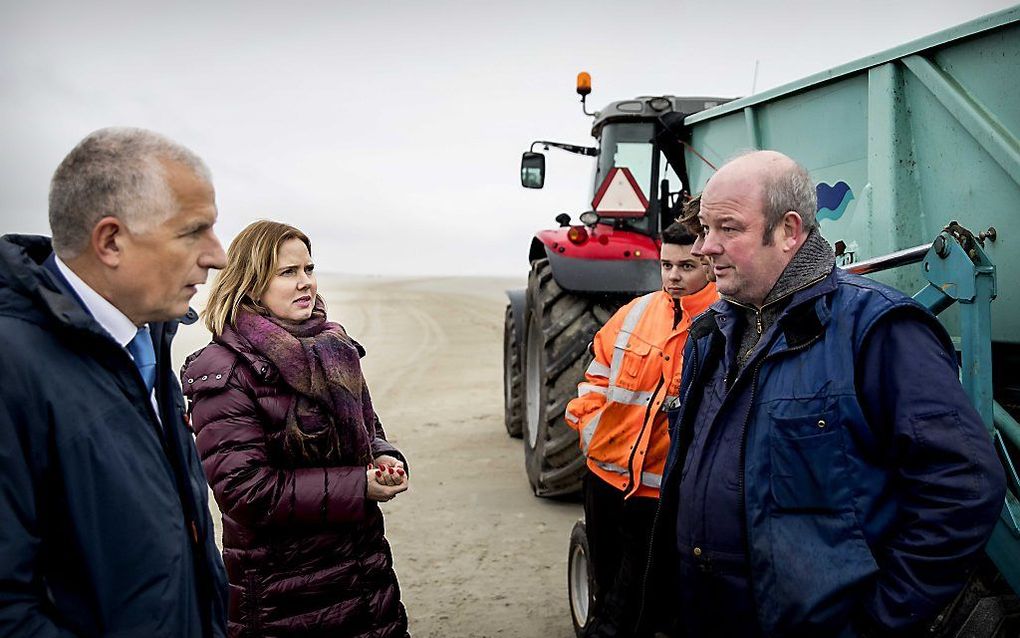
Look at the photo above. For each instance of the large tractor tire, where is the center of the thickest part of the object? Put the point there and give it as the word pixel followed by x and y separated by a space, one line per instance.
pixel 513 377
pixel 560 325
pixel 580 579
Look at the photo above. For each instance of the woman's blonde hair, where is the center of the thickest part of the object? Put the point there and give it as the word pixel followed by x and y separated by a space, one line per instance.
pixel 251 265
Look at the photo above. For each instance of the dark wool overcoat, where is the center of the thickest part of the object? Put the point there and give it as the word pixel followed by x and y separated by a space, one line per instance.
pixel 304 549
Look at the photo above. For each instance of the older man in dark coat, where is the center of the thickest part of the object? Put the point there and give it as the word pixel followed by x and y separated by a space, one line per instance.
pixel 827 475
pixel 104 521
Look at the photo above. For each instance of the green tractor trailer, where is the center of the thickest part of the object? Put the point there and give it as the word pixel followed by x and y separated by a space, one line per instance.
pixel 915 153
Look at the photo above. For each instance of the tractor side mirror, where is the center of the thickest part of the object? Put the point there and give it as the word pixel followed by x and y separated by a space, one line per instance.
pixel 532 170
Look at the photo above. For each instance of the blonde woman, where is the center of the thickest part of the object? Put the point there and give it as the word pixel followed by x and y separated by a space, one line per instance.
pixel 293 450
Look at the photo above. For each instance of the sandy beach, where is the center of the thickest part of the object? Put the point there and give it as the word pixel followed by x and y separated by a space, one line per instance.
pixel 476 554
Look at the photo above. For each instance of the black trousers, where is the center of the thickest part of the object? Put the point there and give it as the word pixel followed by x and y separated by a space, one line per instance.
pixel 618 535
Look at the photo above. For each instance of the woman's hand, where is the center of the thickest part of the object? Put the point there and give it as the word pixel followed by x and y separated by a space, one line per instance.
pixel 384 484
pixel 385 460
pixel 391 470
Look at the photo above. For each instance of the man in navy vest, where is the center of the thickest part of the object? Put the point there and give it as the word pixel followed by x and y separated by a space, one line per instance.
pixel 827 475
pixel 104 521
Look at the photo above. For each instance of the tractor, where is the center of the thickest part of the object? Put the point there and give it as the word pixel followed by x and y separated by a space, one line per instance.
pixel 582 272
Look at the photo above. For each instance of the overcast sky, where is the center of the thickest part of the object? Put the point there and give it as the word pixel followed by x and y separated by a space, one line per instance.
pixel 391 132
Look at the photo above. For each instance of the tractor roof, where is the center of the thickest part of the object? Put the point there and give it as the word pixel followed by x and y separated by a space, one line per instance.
pixel 647 107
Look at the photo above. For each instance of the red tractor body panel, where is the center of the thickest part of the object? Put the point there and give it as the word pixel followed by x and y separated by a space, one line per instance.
pixel 603 242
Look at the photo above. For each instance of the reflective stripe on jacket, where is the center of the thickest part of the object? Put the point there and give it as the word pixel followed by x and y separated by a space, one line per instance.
pixel 636 371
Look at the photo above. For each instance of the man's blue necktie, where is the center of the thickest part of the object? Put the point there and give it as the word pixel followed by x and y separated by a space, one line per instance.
pixel 144 356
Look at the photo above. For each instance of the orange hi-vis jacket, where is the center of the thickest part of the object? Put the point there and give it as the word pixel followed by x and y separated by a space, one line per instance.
pixel 620 409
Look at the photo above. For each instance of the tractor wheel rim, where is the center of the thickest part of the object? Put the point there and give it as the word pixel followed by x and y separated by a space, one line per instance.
pixel 533 381
pixel 579 585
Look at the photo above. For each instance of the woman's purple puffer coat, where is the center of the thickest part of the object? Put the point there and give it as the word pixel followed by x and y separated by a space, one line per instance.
pixel 304 549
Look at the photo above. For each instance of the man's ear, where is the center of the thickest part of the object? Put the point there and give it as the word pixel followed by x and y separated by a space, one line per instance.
pixel 106 239
pixel 790 230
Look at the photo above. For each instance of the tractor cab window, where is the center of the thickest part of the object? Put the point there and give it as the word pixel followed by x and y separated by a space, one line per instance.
pixel 627 145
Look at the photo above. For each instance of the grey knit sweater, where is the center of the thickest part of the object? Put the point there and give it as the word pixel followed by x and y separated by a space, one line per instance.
pixel 814 261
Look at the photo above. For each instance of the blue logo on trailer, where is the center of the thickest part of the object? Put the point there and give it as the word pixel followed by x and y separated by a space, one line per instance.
pixel 833 200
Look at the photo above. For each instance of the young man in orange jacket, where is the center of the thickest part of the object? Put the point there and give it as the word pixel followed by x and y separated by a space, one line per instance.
pixel 620 414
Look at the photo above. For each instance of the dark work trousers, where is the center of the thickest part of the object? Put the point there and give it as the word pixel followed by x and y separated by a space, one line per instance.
pixel 618 534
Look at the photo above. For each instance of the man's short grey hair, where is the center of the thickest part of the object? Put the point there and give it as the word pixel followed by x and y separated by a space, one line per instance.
pixel 788 188
pixel 117 172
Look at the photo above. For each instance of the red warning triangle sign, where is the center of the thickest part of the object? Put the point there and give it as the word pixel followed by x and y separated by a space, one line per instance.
pixel 619 195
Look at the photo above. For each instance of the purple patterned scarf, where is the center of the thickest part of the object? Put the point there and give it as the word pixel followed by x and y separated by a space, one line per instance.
pixel 331 420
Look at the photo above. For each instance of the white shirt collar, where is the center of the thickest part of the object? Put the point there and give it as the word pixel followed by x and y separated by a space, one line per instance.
pixel 105 313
